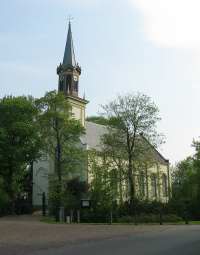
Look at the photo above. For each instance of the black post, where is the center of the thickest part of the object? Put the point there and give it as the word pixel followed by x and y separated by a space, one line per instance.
pixel 43 204
pixel 135 212
pixel 111 217
pixel 161 215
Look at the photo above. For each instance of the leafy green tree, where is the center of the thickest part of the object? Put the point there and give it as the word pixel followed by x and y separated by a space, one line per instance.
pixel 74 192
pixel 60 132
pixel 61 136
pixel 20 141
pixel 186 185
pixel 132 123
pixel 116 161
pixel 183 176
pixel 103 182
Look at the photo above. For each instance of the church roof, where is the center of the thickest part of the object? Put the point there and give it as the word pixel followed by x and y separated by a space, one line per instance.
pixel 94 132
pixel 92 137
pixel 69 55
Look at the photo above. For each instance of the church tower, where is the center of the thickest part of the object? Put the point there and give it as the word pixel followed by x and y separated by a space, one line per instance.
pixel 69 72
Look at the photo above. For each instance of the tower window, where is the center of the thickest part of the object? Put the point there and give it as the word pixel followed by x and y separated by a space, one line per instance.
pixel 76 86
pixel 61 83
pixel 68 83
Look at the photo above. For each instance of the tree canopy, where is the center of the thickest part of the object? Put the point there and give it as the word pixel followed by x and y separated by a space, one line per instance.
pixel 132 121
pixel 61 133
pixel 20 140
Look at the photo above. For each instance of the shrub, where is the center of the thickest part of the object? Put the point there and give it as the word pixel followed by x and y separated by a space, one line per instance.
pixel 171 218
pixel 150 218
pixel 125 219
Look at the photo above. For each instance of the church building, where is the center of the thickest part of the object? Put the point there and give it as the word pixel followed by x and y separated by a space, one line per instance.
pixel 157 184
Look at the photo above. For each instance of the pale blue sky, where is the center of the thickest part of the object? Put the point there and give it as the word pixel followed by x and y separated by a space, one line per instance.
pixel 120 48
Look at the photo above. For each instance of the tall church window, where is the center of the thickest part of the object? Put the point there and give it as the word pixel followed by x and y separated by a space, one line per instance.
pixel 154 186
pixel 141 183
pixel 61 84
pixel 164 184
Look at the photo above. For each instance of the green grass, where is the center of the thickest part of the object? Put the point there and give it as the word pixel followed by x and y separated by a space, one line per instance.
pixel 197 222
pixel 51 220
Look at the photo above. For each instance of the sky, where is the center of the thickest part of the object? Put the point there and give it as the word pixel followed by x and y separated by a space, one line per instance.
pixel 123 46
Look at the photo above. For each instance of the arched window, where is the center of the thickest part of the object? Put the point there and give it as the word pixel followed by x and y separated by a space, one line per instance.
pixel 164 184
pixel 76 86
pixel 141 183
pixel 61 83
pixel 154 185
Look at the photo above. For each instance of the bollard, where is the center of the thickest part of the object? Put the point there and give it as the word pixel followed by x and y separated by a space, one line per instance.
pixel 68 219
pixel 78 216
pixel 61 214
pixel 43 204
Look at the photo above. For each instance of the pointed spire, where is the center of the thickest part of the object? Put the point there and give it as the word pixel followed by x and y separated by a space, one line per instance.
pixel 69 56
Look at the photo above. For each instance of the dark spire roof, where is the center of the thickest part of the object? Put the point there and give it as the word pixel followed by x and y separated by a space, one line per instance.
pixel 69 56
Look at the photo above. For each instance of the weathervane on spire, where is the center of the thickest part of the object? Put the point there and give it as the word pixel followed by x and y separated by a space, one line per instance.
pixel 70 18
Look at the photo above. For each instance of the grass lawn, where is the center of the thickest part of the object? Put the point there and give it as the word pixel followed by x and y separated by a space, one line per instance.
pixel 52 220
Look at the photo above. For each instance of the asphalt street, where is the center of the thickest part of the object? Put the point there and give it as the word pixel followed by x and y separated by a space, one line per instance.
pixel 172 241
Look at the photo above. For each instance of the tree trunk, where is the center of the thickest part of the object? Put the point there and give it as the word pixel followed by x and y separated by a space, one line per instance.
pixel 120 186
pixel 58 153
pixel 58 168
pixel 147 183
pixel 131 185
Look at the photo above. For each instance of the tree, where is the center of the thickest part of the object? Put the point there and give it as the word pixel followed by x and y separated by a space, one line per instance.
pixel 20 141
pixel 73 192
pixel 61 135
pixel 103 184
pixel 132 123
pixel 116 161
pixel 186 184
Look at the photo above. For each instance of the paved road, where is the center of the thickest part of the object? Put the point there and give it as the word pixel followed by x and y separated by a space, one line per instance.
pixel 184 240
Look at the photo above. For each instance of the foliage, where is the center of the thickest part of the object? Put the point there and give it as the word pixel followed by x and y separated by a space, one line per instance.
pixel 131 133
pixel 146 212
pixel 20 141
pixel 150 218
pixel 69 193
pixel 60 132
pixel 73 193
pixel 186 186
pixel 103 182
pixel 54 195
pixel 61 135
